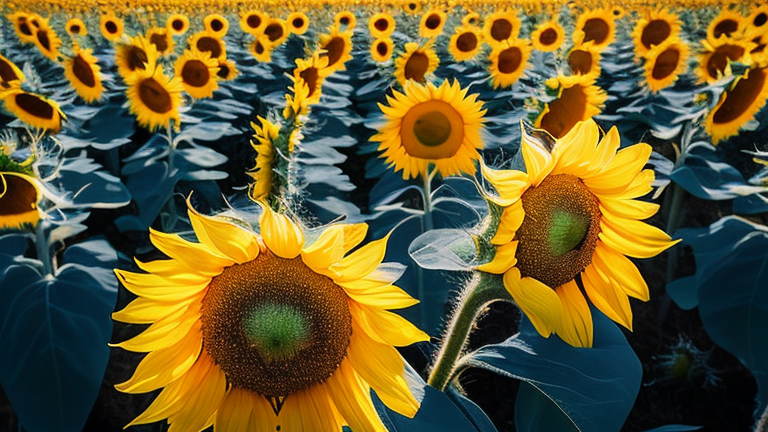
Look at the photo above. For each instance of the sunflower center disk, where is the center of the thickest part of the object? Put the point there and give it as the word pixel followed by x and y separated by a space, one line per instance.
pixel 274 326
pixel 432 130
pixel 558 235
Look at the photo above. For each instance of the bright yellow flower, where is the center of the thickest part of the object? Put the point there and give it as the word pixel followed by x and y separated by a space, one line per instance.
pixel 311 73
pixel 381 25
pixel 381 49
pixel 508 61
pixel 584 59
pixel 337 47
pixel 432 24
pixel 10 73
pixel 177 24
pixel 717 54
pixel 76 27
pixel 501 26
pixel 597 26
pixel 135 54
pixel 197 71
pixel 84 74
pixel 664 63
pixel 653 29
pixel 548 36
pixel 34 110
pixel 578 99
pixel 298 22
pixel 216 24
pixel 265 135
pixel 154 98
pixel 465 43
pixel 727 24
pixel 738 105
pixel 345 20
pixel 253 21
pixel 111 27
pixel 416 64
pixel 19 196
pixel 206 41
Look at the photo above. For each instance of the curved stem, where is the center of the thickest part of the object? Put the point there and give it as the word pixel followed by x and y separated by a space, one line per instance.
pixel 43 250
pixel 483 289
pixel 427 176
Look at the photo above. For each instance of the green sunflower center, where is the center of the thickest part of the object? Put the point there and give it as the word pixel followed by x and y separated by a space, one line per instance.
pixel 560 230
pixel 432 128
pixel 277 331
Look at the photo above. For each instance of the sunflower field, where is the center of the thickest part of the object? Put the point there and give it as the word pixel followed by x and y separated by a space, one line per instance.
pixel 372 216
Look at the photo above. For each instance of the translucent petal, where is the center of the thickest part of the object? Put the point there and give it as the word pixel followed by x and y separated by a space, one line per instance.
pixel 509 184
pixel 331 246
pixel 633 238
pixel 621 172
pixel 232 241
pixel 201 404
pixel 628 209
pixel 361 262
pixel 176 288
pixel 511 219
pixel 194 255
pixel 538 162
pixel 165 332
pixel 146 311
pixel 383 296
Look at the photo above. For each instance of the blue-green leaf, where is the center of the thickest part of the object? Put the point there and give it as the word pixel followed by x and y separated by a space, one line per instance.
pixel 535 412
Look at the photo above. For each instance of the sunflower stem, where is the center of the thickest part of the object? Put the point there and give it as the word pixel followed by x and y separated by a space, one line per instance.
pixel 428 222
pixel 675 206
pixel 173 217
pixel 482 289
pixel 43 250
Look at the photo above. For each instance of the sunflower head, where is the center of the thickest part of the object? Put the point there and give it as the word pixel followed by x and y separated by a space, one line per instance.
pixel 381 24
pixel 381 49
pixel 206 41
pixel 135 54
pixel 276 32
pixel 471 19
pixel 567 224
pixel 416 64
pixel 24 29
pixel 217 24
pixel 227 70
pixel 345 20
pixel 311 72
pixel 261 49
pixel 265 134
pixel 654 29
pixel 578 99
pixel 10 74
pixel 728 24
pixel 76 27
pixel 112 27
pixel 154 98
pixel 298 22
pixel 32 109
pixel 548 36
pixel 431 125
pixel 718 54
pixel 197 71
pixel 584 59
pixel 46 39
pixel 739 104
pixel 597 26
pixel 296 101
pixel 177 24
pixel 665 63
pixel 501 26
pixel 268 329
pixel 508 61
pixel 337 48
pixel 84 74
pixel 19 196
pixel 162 39
pixel 465 43
pixel 253 21
pixel 432 23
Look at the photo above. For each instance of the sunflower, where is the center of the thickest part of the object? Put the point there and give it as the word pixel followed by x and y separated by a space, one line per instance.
pixel 205 41
pixel 111 27
pixel 268 330
pixel 738 105
pixel 24 30
pixel 311 72
pixel 665 63
pixel 337 47
pixel 411 7
pixel 296 104
pixel 265 135
pixel 728 23
pixel 501 26
pixel 216 24
pixel 431 125
pixel 566 227
pixel 758 18
pixel 76 27
pixel 465 43
pixel 154 98
pixel 618 12
pixel 276 32
pixel 655 28
pixel 136 54
pixel 548 36
pixel 578 99
pixel 227 69
pixel 84 74
pixel 508 61
pixel 177 24
pixel 345 20
pixel 19 195
pixel 197 71
pixel 585 60
pixel 381 49
pixel 46 40
pixel 298 22
pixel 432 24
pixel 416 63
pixel 470 19
pixel 597 26
pixel 381 25
pixel 253 21
pixel 162 39
pixel 10 74
pixel 260 50
pixel 718 54
pixel 32 109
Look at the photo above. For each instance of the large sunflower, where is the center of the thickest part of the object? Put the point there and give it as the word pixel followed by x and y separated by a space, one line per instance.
pixel 578 99
pixel 718 54
pixel 216 24
pixel 508 61
pixel 19 195
pixel 431 125
pixel 268 331
pixel 501 26
pixel 597 26
pixel 154 98
pixel 665 63
pixel 197 71
pixel 739 104
pixel 136 54
pixel 432 23
pixel 84 74
pixel 112 27
pixel 253 21
pixel 416 63
pixel 311 73
pixel 10 73
pixel 566 226
pixel 276 32
pixel 34 110
pixel 655 28
pixel 337 47
pixel 465 43
pixel 548 36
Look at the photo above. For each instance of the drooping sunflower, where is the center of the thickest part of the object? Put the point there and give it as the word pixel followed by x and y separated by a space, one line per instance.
pixel 19 196
pixel 416 63
pixel 76 27
pixel 298 22
pixel 431 125
pixel 135 54
pixel 265 135
pixel 111 26
pixel 568 224
pixel 311 72
pixel 714 61
pixel 508 61
pixel 664 63
pixel 46 40
pixel 154 98
pixel 345 20
pixel 32 109
pixel 548 36
pixel 227 70
pixel 728 23
pixel 501 26
pixel 738 105
pixel 584 59
pixel 653 29
pixel 253 21
pixel 261 49
pixel 381 49
pixel 205 41
pixel 268 330
pixel 578 99
pixel 337 47
pixel 10 74
pixel 217 24
pixel 381 25
pixel 465 43
pixel 84 74
pixel 162 39
pixel 432 24
pixel 197 71
pixel 597 26
pixel 21 24
pixel 177 24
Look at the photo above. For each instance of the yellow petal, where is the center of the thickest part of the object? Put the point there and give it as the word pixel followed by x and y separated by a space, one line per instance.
pixel 604 153
pixel 202 403
pixel 386 327
pixel 575 324
pixel 165 332
pixel 538 162
pixel 282 236
pixel 509 184
pixel 574 151
pixel 615 266
pixel 640 186
pixel 353 400
pixel 538 301
pixel 232 241
pixel 331 246
pixel 503 260
pixel 386 296
pixel 633 238
pixel 309 410
pixel 242 410
pixel 619 174
pixel 173 288
pixel 607 296
pixel 146 311
pixel 628 209
pixel 194 255
pixel 511 219
pixel 382 367
pixel 361 262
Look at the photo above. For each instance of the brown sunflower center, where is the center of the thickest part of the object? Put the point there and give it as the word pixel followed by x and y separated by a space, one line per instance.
pixel 433 21
pixel 548 37
pixel 334 49
pixel 501 29
pixel 177 25
pixel 741 98
pixel 253 21
pixel 381 24
pixel 223 72
pixel 565 111
pixel 195 73
pixel 666 63
pixel 432 130
pixel 136 58
pixel 597 30
pixel 310 76
pixel 211 45
pixel 24 29
pixel 344 20
pixel 656 32
pixel 718 61
pixel 45 41
pixel 382 48
pixel 74 29
pixel 725 27
pixel 154 96
pixel 559 232
pixel 274 326
pixel 7 73
pixel 17 195
pixel 510 60
pixel 580 61
pixel 760 19
pixel 83 71
pixel 416 66
pixel 217 25
pixel 160 41
pixel 258 47
pixel 466 42
pixel 274 32
pixel 35 106
pixel 298 22
pixel 111 27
